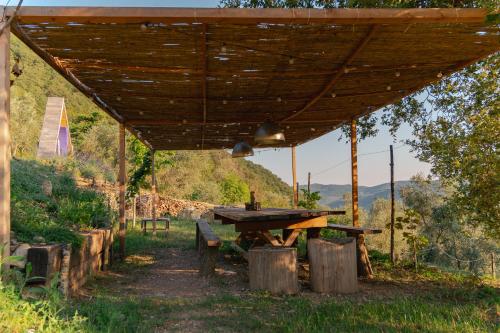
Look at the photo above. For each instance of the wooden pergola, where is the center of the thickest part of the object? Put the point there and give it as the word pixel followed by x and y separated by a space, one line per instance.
pixel 186 78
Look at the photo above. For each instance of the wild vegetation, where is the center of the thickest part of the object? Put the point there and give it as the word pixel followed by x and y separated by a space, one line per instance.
pixel 47 206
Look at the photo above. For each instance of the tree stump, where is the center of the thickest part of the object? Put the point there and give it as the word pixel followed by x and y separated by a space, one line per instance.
pixel 332 265
pixel 273 269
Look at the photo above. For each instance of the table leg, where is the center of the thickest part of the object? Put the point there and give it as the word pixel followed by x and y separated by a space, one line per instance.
pixel 268 237
pixel 291 240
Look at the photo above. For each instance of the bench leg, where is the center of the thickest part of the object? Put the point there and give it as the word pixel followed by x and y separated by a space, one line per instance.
pixel 208 260
pixel 363 260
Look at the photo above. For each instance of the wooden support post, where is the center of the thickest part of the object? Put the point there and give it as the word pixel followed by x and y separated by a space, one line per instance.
pixel 153 190
pixel 5 143
pixel 354 174
pixel 493 269
pixel 392 205
pixel 121 184
pixel 134 211
pixel 364 267
pixel 294 180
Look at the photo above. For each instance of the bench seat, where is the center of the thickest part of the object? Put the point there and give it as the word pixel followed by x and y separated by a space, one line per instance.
pixel 353 230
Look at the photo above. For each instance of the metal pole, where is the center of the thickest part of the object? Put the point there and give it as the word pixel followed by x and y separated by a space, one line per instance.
pixel 5 143
pixel 392 204
pixel 121 184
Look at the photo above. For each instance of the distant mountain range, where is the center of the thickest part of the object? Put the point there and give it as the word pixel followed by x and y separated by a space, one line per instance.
pixel 332 195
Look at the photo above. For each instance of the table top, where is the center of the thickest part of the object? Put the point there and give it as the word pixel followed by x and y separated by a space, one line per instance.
pixel 235 215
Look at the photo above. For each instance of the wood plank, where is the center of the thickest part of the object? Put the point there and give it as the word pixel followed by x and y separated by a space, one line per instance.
pixel 316 222
pixel 354 230
pixel 38 14
pixel 5 143
pixel 268 214
pixel 208 235
pixel 292 237
pixel 268 237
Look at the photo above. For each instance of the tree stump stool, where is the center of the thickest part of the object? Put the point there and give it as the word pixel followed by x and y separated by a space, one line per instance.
pixel 273 269
pixel 332 265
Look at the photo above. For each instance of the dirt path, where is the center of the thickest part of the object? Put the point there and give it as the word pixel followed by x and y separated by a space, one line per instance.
pixel 173 273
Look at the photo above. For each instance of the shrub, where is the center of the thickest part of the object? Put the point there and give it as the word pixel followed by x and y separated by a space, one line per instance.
pixel 234 190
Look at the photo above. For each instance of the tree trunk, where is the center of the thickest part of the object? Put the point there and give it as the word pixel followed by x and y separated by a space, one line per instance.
pixel 273 269
pixel 332 264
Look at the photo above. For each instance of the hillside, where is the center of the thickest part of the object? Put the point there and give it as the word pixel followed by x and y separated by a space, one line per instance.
pixel 332 195
pixel 193 175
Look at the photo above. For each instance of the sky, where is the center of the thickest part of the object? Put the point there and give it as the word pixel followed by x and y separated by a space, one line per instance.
pixel 326 158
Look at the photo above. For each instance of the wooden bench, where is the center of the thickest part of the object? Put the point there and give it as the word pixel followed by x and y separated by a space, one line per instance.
pixel 362 252
pixel 144 224
pixel 207 245
pixel 353 231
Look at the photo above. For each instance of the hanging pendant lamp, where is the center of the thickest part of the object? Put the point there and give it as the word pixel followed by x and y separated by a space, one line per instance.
pixel 242 149
pixel 269 133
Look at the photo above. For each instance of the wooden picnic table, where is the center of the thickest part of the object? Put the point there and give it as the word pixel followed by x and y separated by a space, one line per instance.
pixel 256 225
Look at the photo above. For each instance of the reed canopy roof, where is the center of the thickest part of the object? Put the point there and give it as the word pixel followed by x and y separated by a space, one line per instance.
pixel 206 78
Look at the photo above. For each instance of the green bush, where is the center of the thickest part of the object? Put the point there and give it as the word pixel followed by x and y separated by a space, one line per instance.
pixel 234 190
pixel 56 217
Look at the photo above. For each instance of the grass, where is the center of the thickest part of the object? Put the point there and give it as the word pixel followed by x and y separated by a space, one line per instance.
pixel 438 302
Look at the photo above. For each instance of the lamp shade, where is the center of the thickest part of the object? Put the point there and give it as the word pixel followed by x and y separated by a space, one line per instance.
pixel 242 149
pixel 269 133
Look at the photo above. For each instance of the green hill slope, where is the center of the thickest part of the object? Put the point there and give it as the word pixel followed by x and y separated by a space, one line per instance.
pixel 194 175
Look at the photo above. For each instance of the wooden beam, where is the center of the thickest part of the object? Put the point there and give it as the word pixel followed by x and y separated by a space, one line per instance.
pixel 165 122
pixel 354 174
pixel 121 184
pixel 153 191
pixel 204 62
pixel 246 16
pixel 294 179
pixel 5 143
pixel 338 75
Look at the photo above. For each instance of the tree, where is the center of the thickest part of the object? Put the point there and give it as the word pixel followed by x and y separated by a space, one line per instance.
pixel 142 161
pixel 455 122
pixel 309 199
pixel 234 190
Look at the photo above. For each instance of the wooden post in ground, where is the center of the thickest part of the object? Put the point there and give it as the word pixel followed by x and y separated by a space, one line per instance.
pixel 134 211
pixel 392 205
pixel 5 143
pixel 294 180
pixel 364 267
pixel 309 182
pixel 493 269
pixel 153 190
pixel 121 184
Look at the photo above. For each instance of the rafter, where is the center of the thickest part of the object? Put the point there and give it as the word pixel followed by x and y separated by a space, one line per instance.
pixel 341 71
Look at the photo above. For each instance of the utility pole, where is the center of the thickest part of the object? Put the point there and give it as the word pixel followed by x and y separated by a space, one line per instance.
pixel 309 182
pixel 392 204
